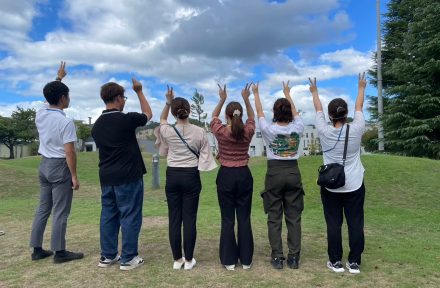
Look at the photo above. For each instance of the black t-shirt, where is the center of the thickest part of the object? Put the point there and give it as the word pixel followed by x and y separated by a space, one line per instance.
pixel 120 159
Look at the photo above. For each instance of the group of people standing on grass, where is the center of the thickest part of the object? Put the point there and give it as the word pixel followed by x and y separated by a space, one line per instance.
pixel 188 152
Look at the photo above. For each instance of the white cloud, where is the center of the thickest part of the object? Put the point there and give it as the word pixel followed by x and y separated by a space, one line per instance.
pixel 191 44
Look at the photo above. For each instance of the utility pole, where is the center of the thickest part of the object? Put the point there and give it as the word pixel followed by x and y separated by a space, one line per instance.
pixel 379 79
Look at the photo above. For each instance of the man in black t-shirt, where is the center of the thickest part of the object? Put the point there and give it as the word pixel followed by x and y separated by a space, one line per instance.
pixel 121 170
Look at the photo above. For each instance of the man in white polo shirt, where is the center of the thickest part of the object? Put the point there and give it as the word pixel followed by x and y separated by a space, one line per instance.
pixel 57 171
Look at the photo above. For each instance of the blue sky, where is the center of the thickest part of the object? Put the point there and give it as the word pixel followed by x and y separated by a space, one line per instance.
pixel 189 44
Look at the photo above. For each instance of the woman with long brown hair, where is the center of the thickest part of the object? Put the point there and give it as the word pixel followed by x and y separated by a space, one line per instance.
pixel 234 179
pixel 187 150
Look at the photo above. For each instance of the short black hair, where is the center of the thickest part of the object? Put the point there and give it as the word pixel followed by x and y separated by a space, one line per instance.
pixel 53 91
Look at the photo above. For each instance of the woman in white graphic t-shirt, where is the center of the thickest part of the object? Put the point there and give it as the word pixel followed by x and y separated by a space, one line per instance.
pixel 348 199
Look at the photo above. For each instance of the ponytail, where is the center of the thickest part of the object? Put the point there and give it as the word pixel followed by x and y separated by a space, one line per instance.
pixel 235 112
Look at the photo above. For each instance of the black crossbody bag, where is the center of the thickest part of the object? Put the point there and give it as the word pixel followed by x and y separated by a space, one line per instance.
pixel 184 142
pixel 332 175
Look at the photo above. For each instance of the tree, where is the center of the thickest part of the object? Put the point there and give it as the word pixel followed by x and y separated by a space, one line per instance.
pixel 411 69
pixel 196 108
pixel 370 139
pixel 83 131
pixel 18 129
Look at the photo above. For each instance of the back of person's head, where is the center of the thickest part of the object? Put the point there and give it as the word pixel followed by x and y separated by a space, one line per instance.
pixel 337 110
pixel 53 91
pixel 282 111
pixel 180 108
pixel 234 111
pixel 110 91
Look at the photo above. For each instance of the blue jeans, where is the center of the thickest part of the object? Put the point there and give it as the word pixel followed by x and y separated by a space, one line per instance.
pixel 121 207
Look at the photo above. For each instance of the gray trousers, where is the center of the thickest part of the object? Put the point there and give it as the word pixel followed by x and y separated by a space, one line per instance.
pixel 55 193
pixel 283 194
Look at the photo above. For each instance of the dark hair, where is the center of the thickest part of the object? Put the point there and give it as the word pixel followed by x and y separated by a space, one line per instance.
pixel 180 108
pixel 53 91
pixel 337 110
pixel 282 111
pixel 237 127
pixel 110 91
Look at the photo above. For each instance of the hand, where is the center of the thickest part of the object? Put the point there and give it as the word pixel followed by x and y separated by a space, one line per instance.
pixel 222 92
pixel 286 89
pixel 313 87
pixel 170 94
pixel 255 88
pixel 362 81
pixel 75 183
pixel 246 92
pixel 61 71
pixel 137 86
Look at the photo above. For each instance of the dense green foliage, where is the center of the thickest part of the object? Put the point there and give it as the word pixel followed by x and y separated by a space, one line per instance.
pixel 18 129
pixel 411 78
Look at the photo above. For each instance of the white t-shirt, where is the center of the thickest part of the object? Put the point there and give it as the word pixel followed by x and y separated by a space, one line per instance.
pixel 328 135
pixel 282 142
pixel 54 130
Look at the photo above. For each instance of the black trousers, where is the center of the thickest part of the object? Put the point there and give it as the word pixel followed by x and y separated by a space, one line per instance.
pixel 283 194
pixel 234 190
pixel 182 189
pixel 352 205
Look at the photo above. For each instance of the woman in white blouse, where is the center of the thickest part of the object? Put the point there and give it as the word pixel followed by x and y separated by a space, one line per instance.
pixel 188 151
pixel 348 199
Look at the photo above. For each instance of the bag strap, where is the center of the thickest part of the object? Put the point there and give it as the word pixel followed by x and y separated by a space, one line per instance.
pixel 345 145
pixel 335 143
pixel 184 142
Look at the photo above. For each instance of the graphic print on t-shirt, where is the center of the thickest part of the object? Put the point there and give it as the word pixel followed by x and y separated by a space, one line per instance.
pixel 285 145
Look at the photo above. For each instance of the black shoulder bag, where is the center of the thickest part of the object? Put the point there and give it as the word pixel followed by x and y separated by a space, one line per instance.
pixel 184 142
pixel 332 175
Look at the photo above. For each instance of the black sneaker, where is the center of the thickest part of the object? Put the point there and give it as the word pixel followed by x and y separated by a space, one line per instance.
pixel 67 256
pixel 277 262
pixel 336 267
pixel 353 268
pixel 41 254
pixel 293 262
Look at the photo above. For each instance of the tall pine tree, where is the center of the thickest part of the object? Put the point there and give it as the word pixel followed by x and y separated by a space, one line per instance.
pixel 411 78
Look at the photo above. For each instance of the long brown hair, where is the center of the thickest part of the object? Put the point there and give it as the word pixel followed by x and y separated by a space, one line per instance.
pixel 180 108
pixel 237 126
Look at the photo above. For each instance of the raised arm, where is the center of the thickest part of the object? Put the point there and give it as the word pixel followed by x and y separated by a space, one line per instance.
pixel 258 106
pixel 223 96
pixel 61 71
pixel 314 90
pixel 286 91
pixel 145 106
pixel 245 93
pixel 169 96
pixel 362 84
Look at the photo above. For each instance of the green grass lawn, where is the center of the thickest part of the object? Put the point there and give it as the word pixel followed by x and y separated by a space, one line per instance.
pixel 402 229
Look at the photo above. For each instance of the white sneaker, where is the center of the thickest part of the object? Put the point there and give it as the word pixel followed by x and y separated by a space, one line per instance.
pixel 190 265
pixel 133 263
pixel 336 267
pixel 230 267
pixel 179 264
pixel 105 262
pixel 353 268
pixel 246 267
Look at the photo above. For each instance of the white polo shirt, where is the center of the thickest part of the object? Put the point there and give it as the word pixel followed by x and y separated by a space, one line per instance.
pixel 54 130
pixel 328 136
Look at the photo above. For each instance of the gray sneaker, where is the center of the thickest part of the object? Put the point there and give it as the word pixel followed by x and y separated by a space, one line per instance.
pixel 336 267
pixel 133 263
pixel 105 262
pixel 353 268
